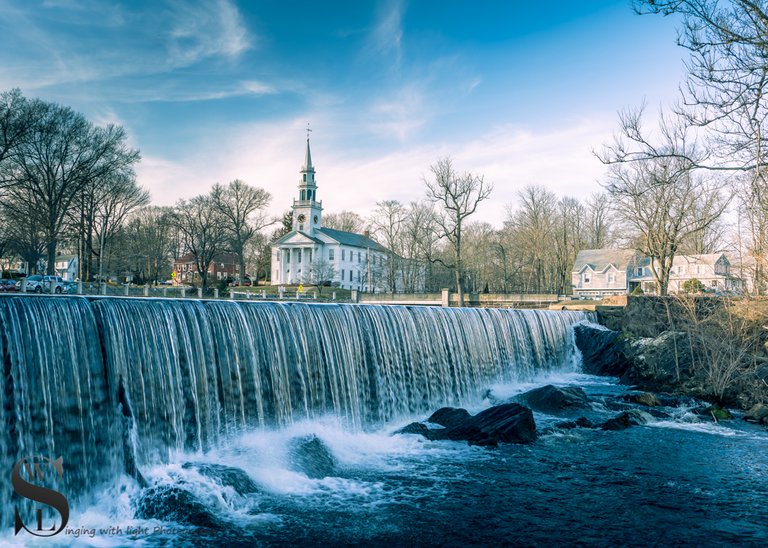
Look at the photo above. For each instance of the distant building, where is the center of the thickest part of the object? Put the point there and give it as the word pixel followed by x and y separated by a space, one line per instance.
pixel 67 267
pixel 223 267
pixel 598 273
pixel 312 253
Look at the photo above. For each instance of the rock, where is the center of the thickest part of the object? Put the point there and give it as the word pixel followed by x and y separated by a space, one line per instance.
pixel 581 422
pixel 414 428
pixel 172 503
pixel 634 417
pixel 757 413
pixel 643 398
pixel 655 363
pixel 311 456
pixel 449 416
pixel 718 413
pixel 508 423
pixel 227 476
pixel 602 350
pixel 550 399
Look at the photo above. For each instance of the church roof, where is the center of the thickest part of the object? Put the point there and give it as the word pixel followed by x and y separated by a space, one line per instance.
pixel 292 233
pixel 352 239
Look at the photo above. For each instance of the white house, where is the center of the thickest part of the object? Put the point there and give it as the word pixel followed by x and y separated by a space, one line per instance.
pixel 598 273
pixel 312 253
pixel 66 267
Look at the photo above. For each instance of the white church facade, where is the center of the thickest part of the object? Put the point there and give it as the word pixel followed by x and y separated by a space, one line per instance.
pixel 313 254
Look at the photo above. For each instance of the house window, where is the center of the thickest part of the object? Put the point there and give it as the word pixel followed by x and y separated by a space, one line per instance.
pixel 343 254
pixel 330 255
pixel 714 283
pixel 342 274
pixel 640 271
pixel 611 277
pixel 586 278
pixel 350 275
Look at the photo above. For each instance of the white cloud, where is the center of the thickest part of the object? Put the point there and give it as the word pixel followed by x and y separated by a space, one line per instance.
pixel 206 29
pixel 387 35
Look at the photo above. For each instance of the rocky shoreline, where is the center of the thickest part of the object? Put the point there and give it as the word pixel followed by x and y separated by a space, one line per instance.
pixel 664 366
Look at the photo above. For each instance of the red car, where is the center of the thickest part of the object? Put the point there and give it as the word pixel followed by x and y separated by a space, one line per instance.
pixel 8 285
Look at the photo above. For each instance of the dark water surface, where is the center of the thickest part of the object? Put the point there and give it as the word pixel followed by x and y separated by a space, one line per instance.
pixel 677 482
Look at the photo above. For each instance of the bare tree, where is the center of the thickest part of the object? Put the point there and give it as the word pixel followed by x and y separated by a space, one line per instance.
pixel 147 242
pixel 61 155
pixel 321 272
pixel 419 244
pixel 598 225
pixel 15 125
pixel 203 231
pixel 457 196
pixel 665 206
pixel 725 95
pixel 387 224
pixel 348 221
pixel 245 209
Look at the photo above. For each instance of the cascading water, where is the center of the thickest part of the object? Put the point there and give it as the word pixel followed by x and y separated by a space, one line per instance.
pixel 182 375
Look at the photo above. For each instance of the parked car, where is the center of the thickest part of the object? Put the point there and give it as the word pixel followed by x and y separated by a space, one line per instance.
pixel 42 284
pixel 7 285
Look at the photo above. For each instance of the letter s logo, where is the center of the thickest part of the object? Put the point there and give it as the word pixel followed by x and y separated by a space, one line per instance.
pixel 34 467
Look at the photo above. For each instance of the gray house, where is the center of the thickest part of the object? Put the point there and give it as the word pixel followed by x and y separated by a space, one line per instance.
pixel 598 273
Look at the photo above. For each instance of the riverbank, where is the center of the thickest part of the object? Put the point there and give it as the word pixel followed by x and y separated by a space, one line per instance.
pixel 709 349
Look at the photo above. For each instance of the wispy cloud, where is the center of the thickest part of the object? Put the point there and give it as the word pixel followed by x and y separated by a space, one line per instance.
pixel 206 29
pixel 387 35
pixel 400 114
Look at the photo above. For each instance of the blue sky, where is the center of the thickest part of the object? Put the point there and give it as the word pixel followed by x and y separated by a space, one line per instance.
pixel 214 90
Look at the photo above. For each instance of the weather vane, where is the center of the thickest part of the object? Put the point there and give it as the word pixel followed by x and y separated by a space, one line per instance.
pixel 308 131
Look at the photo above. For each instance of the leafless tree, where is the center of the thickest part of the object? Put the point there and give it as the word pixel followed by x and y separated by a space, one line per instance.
pixel 15 126
pixel 665 206
pixel 61 155
pixel 321 272
pixel 147 243
pixel 348 221
pixel 387 223
pixel 599 224
pixel 457 197
pixel 725 95
pixel 245 209
pixel 203 231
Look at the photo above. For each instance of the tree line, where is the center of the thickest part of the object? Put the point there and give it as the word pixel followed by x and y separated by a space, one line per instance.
pixel 67 183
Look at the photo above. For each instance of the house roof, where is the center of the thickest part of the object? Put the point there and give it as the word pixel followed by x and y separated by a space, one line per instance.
pixel 600 259
pixel 352 239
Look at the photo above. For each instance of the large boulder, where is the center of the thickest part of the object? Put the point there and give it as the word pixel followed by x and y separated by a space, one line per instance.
pixel 634 417
pixel 449 416
pixel 602 350
pixel 505 423
pixel 309 455
pixel 173 503
pixel 757 413
pixel 552 399
pixel 227 476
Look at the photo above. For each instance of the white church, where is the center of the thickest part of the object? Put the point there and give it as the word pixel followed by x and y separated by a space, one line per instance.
pixel 313 254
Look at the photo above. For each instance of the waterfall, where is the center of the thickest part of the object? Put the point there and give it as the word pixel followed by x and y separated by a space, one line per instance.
pixel 183 374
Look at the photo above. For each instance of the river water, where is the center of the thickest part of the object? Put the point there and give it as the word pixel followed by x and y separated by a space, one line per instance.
pixel 674 482
pixel 211 400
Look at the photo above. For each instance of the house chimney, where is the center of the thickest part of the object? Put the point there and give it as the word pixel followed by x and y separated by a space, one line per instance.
pixel 367 233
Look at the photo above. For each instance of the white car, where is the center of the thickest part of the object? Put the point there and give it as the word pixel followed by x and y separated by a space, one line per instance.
pixel 42 284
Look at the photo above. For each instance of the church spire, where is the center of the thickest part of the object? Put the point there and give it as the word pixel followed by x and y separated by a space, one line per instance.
pixel 307 159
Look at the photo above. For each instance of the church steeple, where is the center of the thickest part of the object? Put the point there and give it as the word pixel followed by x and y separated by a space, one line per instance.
pixel 307 210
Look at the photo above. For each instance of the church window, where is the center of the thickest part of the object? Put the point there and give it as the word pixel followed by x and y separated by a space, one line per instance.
pixel 343 254
pixel 316 219
pixel 359 258
pixel 330 255
pixel 299 259
pixel 342 274
pixel 350 275
pixel 305 177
